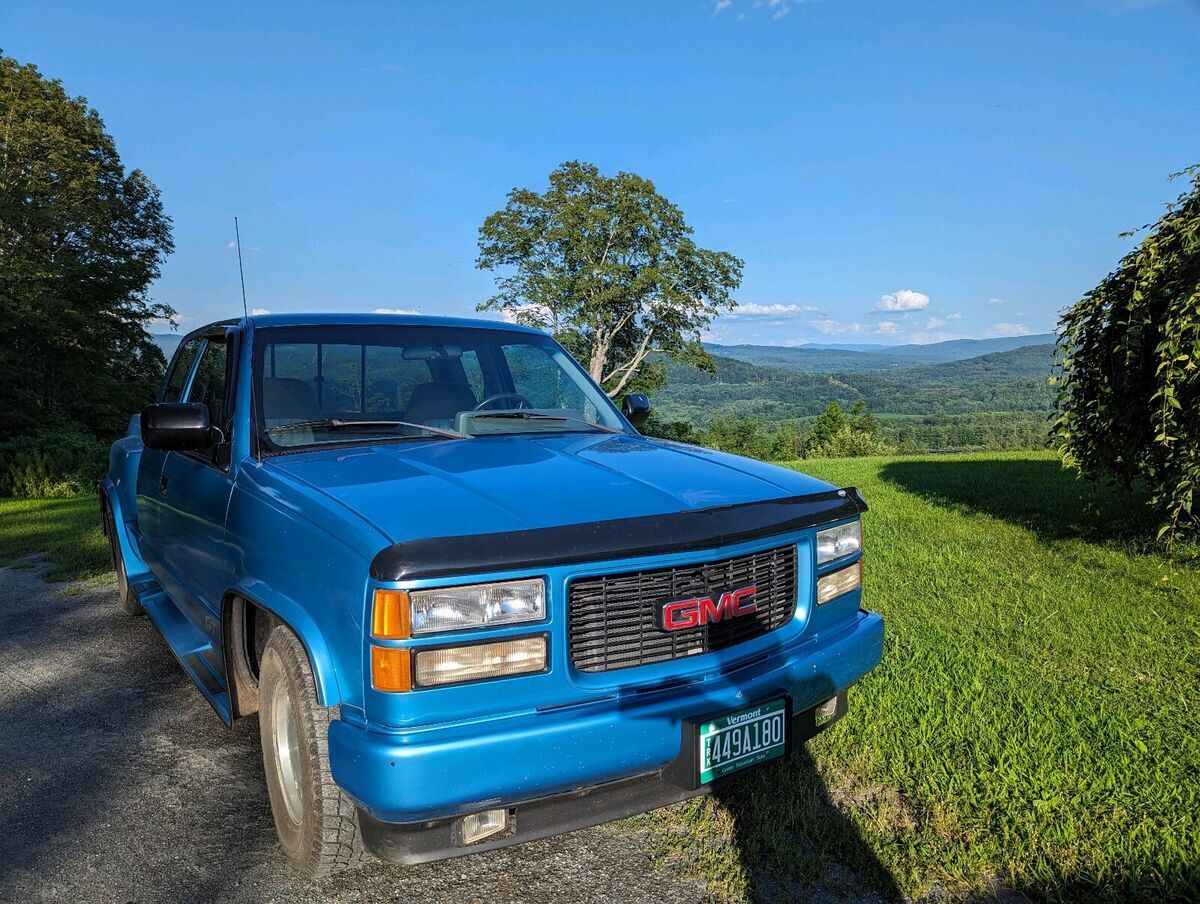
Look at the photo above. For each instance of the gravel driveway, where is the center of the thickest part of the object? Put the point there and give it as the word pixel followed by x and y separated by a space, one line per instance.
pixel 119 783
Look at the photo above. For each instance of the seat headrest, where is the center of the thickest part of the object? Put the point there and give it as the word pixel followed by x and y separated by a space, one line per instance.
pixel 285 397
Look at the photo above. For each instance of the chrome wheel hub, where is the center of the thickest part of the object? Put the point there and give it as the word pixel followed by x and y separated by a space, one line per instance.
pixel 287 752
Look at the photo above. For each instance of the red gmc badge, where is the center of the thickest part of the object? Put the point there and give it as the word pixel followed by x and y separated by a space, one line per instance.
pixel 702 610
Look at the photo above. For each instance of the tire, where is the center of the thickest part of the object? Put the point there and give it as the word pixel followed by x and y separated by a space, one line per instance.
pixel 129 602
pixel 316 822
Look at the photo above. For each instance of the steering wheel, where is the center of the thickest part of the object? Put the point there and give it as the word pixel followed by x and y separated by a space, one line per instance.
pixel 522 402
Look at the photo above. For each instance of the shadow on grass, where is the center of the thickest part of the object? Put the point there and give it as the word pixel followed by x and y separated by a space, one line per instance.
pixel 1037 494
pixel 795 840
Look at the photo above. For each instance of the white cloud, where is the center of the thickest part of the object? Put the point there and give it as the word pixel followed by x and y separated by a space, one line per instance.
pixel 721 5
pixel 258 312
pixel 231 244
pixel 934 323
pixel 392 68
pixel 996 301
pixel 904 300
pixel 886 327
pixel 957 315
pixel 1007 329
pixel 777 8
pixel 394 311
pixel 831 327
pixel 751 309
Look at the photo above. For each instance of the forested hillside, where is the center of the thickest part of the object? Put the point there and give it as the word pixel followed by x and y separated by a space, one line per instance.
pixel 832 359
pixel 997 400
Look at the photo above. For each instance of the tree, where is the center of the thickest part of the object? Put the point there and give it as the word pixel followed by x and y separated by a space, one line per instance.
pixel 608 266
pixel 838 435
pixel 81 240
pixel 1128 368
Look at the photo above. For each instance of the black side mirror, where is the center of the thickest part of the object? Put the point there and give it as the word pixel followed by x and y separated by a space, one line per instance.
pixel 636 407
pixel 177 427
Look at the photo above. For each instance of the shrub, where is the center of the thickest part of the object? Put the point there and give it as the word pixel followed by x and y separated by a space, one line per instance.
pixel 57 463
pixel 1129 369
pixel 840 435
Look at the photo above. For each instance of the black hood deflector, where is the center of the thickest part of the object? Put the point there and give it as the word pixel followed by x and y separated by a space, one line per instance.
pixel 598 541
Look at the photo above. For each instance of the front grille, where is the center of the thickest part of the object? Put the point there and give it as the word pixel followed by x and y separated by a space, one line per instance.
pixel 612 616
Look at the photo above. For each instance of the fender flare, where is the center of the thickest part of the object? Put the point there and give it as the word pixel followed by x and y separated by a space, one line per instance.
pixel 299 622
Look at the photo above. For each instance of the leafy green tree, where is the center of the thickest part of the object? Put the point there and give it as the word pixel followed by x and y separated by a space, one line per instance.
pixel 81 240
pixel 1128 403
pixel 661 428
pixel 607 265
pixel 838 435
pixel 830 423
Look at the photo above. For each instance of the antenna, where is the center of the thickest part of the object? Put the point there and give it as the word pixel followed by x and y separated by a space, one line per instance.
pixel 241 273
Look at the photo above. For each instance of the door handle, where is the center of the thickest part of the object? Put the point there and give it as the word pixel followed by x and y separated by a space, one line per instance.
pixel 163 483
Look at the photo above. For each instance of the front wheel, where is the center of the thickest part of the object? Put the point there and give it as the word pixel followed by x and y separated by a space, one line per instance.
pixel 316 822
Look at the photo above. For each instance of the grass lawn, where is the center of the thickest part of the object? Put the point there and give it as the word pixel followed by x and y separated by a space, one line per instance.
pixel 1035 724
pixel 65 531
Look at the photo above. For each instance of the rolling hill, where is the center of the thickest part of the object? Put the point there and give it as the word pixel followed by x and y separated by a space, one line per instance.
pixel 1013 380
pixel 864 359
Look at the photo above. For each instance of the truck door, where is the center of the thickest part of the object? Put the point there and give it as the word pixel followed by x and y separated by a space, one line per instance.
pixel 150 462
pixel 194 491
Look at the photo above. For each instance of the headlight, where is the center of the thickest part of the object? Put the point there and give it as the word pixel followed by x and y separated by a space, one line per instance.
pixel 477 606
pixel 835 542
pixel 454 665
pixel 839 583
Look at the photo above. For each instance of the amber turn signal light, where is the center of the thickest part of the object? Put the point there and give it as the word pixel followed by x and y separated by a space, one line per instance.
pixel 391 669
pixel 390 615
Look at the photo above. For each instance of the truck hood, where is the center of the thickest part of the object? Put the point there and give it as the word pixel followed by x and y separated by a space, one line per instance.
pixel 500 484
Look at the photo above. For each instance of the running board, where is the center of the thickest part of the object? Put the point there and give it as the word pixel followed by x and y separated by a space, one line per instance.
pixel 195 652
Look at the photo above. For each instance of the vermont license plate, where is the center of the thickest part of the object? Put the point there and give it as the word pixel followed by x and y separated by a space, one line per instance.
pixel 740 739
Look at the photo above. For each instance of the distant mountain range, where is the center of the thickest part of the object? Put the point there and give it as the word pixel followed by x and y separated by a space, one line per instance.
pixel 1001 399
pixel 814 358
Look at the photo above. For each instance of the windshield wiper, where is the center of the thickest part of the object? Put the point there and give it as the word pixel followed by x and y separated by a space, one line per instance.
pixel 535 416
pixel 333 423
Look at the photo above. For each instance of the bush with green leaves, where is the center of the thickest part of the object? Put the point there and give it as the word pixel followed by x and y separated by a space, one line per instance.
pixel 55 464
pixel 837 434
pixel 1128 406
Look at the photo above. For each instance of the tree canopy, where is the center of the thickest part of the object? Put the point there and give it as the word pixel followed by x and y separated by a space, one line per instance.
pixel 1129 368
pixel 608 265
pixel 81 240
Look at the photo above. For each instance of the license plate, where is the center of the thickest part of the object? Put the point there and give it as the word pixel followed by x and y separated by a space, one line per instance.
pixel 740 739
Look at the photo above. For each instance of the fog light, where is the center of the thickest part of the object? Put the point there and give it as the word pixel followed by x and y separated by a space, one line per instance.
pixel 479 826
pixel 475 662
pixel 839 583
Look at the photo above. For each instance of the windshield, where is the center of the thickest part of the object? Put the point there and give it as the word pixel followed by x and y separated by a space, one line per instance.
pixel 317 385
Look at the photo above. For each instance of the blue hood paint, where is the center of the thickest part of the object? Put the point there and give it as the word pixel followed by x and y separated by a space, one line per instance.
pixel 501 483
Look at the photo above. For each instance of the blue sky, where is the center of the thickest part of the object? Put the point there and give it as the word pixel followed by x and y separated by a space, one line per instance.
pixel 889 172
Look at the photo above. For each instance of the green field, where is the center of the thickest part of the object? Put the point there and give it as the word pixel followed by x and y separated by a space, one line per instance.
pixel 1034 726
pixel 65 531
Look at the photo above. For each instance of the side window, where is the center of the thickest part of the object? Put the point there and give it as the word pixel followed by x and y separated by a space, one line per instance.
pixel 209 385
pixel 180 368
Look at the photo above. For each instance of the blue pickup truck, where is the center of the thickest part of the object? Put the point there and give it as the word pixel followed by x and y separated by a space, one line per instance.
pixel 470 603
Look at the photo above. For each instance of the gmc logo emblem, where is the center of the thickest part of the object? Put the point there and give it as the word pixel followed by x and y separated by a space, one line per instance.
pixel 702 610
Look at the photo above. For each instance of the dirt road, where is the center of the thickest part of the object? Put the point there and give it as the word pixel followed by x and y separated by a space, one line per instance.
pixel 119 783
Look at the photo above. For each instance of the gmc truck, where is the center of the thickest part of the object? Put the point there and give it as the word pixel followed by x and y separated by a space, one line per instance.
pixel 470 603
